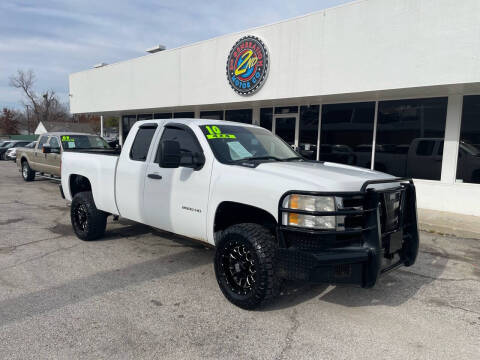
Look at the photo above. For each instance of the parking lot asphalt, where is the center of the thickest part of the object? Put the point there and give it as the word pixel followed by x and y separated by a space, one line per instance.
pixel 140 293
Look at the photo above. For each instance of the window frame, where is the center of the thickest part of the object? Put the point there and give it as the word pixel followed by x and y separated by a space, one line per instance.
pixel 143 126
pixel 174 125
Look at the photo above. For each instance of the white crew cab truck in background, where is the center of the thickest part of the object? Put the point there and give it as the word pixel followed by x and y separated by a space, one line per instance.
pixel 271 214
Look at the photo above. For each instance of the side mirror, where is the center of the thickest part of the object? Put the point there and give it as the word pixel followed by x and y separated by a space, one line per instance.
pixel 46 149
pixel 193 160
pixel 170 154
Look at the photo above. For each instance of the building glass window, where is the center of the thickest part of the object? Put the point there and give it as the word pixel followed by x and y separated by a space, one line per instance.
pixel 242 116
pixel 308 136
pixel 266 118
pixel 127 123
pixel 347 133
pixel 142 141
pixel 162 116
pixel 184 114
pixel 410 137
pixel 468 164
pixel 144 117
pixel 286 110
pixel 214 115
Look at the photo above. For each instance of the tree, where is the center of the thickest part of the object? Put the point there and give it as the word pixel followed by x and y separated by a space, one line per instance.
pixel 46 107
pixel 8 122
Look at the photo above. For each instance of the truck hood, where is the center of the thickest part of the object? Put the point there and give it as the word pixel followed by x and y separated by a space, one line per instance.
pixel 324 176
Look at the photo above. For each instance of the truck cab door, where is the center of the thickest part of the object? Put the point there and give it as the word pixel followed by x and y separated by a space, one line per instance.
pixel 52 159
pixel 38 158
pixel 176 199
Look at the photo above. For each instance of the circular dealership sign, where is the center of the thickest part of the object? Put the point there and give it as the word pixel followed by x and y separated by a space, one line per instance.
pixel 247 65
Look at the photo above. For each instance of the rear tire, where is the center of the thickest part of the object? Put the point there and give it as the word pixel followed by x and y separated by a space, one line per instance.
pixel 88 222
pixel 27 173
pixel 244 265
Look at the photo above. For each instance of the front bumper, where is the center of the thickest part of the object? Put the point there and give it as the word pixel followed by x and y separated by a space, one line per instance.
pixel 369 245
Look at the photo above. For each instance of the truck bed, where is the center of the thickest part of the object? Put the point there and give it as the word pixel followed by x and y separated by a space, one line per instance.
pixel 99 166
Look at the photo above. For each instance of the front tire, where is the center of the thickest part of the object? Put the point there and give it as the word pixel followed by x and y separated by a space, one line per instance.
pixel 244 265
pixel 27 173
pixel 88 222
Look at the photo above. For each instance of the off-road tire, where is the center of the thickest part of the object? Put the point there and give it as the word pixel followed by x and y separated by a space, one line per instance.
pixel 27 173
pixel 261 243
pixel 96 220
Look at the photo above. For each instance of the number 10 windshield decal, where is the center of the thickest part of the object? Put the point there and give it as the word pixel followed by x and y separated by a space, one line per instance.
pixel 214 132
pixel 247 65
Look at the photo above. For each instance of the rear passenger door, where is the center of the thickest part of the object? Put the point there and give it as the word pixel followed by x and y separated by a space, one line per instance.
pixel 131 169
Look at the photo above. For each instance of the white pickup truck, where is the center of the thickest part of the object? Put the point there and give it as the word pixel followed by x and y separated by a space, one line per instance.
pixel 271 214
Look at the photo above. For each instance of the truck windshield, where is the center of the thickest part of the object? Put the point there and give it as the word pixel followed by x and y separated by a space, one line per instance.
pixel 231 144
pixel 84 142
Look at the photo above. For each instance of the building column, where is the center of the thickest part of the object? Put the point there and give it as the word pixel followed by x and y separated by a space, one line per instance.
pixel 120 130
pixel 452 138
pixel 101 125
pixel 256 115
pixel 197 114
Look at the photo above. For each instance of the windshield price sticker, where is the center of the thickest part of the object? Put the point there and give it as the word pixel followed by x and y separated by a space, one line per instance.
pixel 67 138
pixel 215 133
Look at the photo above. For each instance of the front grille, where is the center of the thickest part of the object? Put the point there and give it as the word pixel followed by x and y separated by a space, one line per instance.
pixel 318 242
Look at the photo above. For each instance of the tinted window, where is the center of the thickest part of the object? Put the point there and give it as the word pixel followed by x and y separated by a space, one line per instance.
pixel 266 118
pixel 42 141
pixel 285 128
pixel 286 110
pixel 425 147
pixel 347 133
pixel 400 122
pixel 145 117
pixel 188 142
pixel 186 114
pixel 162 116
pixel 468 165
pixel 242 116
pixel 308 131
pixel 142 141
pixel 215 115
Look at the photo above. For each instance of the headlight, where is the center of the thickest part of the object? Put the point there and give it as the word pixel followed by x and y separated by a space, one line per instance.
pixel 309 203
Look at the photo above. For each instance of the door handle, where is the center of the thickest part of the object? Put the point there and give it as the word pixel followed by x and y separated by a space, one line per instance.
pixel 155 176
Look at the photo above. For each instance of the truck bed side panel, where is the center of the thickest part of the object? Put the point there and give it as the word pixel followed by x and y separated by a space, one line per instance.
pixel 99 170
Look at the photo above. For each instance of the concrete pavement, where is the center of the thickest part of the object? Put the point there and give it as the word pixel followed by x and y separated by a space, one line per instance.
pixel 141 293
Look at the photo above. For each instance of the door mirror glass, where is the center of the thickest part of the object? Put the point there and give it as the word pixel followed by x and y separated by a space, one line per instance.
pixel 170 154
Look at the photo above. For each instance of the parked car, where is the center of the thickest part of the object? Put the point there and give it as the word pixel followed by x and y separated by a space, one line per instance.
pixel 10 144
pixel 45 156
pixel 11 153
pixel 271 214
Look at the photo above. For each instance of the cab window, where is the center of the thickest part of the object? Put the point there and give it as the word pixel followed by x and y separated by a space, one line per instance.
pixel 142 142
pixel 42 141
pixel 187 140
pixel 54 144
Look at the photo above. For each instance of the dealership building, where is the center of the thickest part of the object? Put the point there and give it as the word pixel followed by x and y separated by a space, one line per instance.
pixel 392 85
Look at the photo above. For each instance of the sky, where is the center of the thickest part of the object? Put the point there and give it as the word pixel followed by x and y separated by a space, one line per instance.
pixel 57 37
